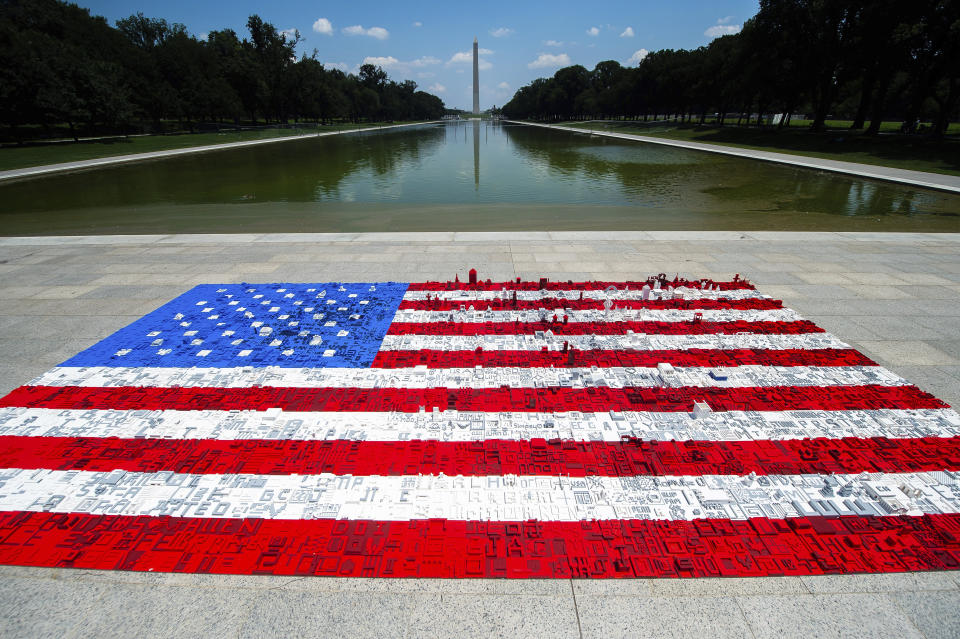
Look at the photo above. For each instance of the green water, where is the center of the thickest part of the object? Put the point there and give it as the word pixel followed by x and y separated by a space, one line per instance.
pixel 462 176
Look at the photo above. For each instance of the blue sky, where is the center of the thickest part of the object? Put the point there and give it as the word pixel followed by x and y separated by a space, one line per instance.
pixel 430 42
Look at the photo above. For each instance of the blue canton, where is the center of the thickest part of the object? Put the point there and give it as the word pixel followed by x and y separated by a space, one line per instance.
pixel 329 324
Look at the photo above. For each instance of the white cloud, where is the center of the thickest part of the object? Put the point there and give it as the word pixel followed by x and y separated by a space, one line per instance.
pixel 502 32
pixel 418 24
pixel 466 57
pixel 374 32
pixel 401 67
pixel 437 88
pixel 503 85
pixel 545 60
pixel 718 30
pixel 553 43
pixel 387 62
pixel 343 66
pixel 722 28
pixel 202 36
pixel 323 26
pixel 593 31
pixel 290 33
pixel 637 56
pixel 423 75
pixel 627 33
pixel 483 51
pixel 425 61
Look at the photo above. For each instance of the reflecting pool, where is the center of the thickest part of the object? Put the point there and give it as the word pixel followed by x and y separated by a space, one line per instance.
pixel 467 175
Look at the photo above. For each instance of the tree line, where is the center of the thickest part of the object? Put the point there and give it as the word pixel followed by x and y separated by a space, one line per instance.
pixel 863 61
pixel 60 65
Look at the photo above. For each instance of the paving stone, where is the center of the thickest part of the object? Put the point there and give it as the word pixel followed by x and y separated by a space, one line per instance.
pixel 505 616
pixel 949 292
pixel 823 291
pixel 850 616
pixel 45 607
pixel 662 617
pixel 868 291
pixel 923 278
pixel 907 352
pixel 892 582
pixel 762 278
pixel 895 327
pixel 17 292
pixel 875 280
pixel 136 291
pixel 941 381
pixel 813 277
pixel 845 328
pixel 726 587
pixel 935 614
pixel 423 586
pixel 325 614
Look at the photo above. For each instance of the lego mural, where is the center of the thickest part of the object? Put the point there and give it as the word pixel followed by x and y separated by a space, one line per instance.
pixel 662 427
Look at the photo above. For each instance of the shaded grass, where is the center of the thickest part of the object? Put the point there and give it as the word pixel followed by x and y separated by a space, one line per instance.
pixel 914 153
pixel 17 157
pixel 890 126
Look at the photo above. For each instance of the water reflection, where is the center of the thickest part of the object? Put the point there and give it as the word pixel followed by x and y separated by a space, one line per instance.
pixel 476 154
pixel 307 170
pixel 649 175
pixel 426 178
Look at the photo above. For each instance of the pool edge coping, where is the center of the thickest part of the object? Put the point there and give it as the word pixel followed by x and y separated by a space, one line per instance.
pixel 476 236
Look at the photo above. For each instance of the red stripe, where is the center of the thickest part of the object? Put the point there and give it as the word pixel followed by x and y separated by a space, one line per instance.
pixel 453 549
pixel 626 358
pixel 490 457
pixel 411 400
pixel 569 286
pixel 722 304
pixel 602 328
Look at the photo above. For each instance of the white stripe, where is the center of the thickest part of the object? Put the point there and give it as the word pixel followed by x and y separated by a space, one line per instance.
pixel 476 426
pixel 642 342
pixel 497 498
pixel 619 294
pixel 423 377
pixel 613 315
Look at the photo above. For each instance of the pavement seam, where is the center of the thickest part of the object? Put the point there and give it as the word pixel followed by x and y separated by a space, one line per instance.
pixel 287 583
pixel 576 609
pixel 744 615
pixel 896 604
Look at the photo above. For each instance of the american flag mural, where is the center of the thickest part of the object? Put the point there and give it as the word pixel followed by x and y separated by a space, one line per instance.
pixel 478 429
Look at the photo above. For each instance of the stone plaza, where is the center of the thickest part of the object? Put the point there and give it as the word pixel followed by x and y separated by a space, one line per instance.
pixel 892 296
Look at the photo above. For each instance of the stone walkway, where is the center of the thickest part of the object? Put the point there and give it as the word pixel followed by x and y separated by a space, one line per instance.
pixel 32 171
pixel 924 179
pixel 896 297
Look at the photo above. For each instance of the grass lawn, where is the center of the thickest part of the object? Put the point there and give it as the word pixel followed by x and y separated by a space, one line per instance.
pixel 901 152
pixel 16 157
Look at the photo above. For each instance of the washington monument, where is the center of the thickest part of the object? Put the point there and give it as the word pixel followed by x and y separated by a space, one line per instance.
pixel 476 79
